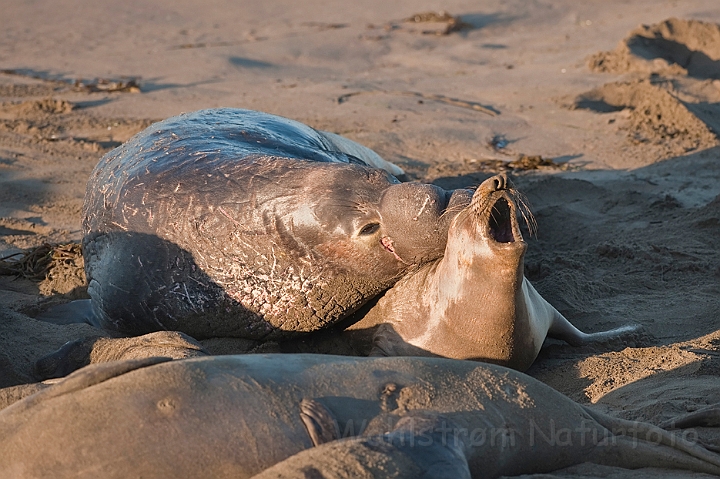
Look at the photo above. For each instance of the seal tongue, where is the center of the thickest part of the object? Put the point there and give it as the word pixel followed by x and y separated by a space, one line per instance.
pixel 500 222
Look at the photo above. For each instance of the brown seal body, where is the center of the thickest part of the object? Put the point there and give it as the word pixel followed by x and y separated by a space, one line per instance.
pixel 235 416
pixel 235 223
pixel 474 302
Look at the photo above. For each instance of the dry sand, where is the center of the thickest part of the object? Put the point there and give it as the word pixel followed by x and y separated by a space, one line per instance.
pixel 606 114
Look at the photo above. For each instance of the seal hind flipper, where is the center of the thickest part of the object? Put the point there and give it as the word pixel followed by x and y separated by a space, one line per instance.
pixel 321 425
pixel 563 329
pixel 560 327
pixel 636 444
pixel 705 417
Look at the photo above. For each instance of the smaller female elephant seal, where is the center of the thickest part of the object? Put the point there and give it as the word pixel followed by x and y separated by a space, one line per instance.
pixel 236 223
pixel 236 416
pixel 474 302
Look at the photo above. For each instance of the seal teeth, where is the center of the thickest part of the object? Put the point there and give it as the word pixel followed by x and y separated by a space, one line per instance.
pixel 500 222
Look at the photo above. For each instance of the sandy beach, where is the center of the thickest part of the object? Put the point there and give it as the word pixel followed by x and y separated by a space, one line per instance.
pixel 606 115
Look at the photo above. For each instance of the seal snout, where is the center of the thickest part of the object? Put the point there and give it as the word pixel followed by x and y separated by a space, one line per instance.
pixel 493 205
pixel 494 183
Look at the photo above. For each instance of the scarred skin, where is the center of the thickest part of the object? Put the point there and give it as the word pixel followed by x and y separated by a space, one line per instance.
pixel 233 223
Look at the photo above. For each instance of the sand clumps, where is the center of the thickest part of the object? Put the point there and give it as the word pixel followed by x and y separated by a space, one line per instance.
pixel 653 115
pixel 672 47
pixel 48 105
pixel 672 95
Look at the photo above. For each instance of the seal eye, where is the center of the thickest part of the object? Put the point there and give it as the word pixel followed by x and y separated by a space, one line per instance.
pixel 369 229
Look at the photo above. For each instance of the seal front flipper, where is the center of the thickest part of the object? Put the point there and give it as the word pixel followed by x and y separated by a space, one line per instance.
pixel 78 311
pixel 321 425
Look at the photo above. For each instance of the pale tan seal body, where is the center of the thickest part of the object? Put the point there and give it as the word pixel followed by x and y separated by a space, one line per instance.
pixel 235 416
pixel 475 302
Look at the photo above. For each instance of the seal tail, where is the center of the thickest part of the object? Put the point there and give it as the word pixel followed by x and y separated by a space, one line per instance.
pixel 634 445
pixel 563 329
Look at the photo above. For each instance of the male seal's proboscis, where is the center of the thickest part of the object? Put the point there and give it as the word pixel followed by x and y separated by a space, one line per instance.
pixel 236 416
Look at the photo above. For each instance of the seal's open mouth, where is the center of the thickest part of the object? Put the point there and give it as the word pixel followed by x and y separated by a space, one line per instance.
pixel 500 223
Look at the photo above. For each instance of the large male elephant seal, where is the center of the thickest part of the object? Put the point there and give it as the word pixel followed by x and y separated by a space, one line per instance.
pixel 236 223
pixel 235 416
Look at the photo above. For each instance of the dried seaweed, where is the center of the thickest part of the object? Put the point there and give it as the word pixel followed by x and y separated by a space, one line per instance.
pixel 36 263
pixel 522 163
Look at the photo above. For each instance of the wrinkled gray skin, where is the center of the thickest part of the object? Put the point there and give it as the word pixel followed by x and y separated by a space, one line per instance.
pixel 235 223
pixel 235 416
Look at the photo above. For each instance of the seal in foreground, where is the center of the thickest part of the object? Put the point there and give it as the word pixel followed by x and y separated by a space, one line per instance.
pixel 235 416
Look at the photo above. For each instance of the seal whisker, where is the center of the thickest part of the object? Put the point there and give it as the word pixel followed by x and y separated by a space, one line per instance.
pixel 452 209
pixel 524 209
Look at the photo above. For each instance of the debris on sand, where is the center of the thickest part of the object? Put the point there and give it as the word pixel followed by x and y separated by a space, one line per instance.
pixel 521 163
pixel 425 23
pixel 438 23
pixel 58 268
pixel 103 85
